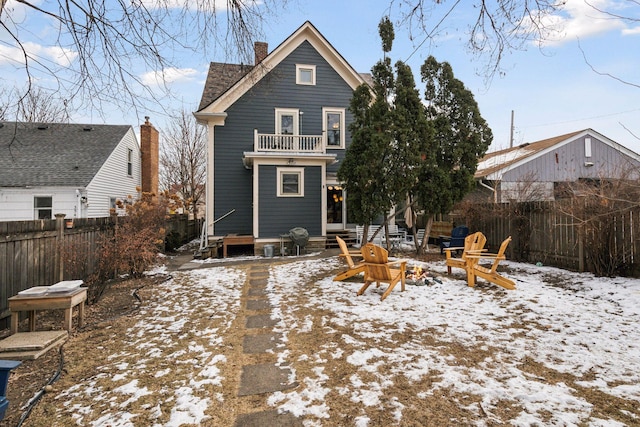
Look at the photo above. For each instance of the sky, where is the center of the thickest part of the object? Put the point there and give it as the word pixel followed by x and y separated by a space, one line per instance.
pixel 170 362
pixel 551 89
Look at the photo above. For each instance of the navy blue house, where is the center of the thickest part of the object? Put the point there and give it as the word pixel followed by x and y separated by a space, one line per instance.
pixel 277 131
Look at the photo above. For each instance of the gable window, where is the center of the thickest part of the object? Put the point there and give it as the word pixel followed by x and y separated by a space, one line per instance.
pixel 130 162
pixel 305 74
pixel 290 182
pixel 43 206
pixel 286 121
pixel 333 127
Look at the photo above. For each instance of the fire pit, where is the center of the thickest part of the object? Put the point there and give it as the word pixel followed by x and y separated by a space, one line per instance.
pixel 418 276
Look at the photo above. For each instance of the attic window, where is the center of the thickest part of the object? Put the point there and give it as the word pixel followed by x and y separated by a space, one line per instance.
pixel 305 74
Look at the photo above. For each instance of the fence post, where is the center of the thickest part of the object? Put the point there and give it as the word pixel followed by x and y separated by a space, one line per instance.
pixel 580 250
pixel 59 243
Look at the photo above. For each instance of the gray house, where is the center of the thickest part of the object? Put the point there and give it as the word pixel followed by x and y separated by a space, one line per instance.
pixel 79 170
pixel 544 170
pixel 276 133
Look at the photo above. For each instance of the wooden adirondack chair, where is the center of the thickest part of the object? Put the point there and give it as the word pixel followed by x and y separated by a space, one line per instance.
pixel 353 268
pixel 473 242
pixel 490 274
pixel 378 269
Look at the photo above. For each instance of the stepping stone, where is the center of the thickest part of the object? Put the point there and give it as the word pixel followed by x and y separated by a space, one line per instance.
pixel 30 345
pixel 267 418
pixel 258 304
pixel 253 344
pixel 258 282
pixel 260 321
pixel 257 292
pixel 264 378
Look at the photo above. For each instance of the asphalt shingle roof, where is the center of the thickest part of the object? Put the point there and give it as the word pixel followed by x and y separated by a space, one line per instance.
pixel 55 154
pixel 220 78
pixel 497 160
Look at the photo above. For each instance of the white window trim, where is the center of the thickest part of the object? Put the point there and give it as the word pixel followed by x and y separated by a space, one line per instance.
pixel 587 147
pixel 300 67
pixel 282 171
pixel 129 162
pixel 38 209
pixel 325 133
pixel 287 111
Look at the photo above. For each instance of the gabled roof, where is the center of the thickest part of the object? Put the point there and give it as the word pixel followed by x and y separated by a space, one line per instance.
pixel 55 154
pixel 226 83
pixel 493 165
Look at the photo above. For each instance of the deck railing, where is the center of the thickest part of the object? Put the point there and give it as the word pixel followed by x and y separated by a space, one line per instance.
pixel 288 143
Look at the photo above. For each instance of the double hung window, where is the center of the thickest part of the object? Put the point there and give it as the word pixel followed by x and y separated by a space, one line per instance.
pixel 43 207
pixel 333 127
pixel 290 182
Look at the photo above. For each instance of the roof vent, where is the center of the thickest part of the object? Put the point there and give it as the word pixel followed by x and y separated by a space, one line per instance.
pixel 43 127
pixel 87 128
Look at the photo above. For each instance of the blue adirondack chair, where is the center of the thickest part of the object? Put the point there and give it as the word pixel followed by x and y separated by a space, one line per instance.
pixel 457 238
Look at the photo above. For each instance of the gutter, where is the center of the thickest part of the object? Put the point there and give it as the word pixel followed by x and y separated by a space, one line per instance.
pixel 493 190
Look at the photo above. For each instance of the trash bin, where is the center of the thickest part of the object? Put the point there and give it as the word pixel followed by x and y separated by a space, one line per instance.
pixel 268 251
pixel 5 369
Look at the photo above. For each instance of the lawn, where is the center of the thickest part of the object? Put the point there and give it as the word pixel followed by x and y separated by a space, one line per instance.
pixel 563 349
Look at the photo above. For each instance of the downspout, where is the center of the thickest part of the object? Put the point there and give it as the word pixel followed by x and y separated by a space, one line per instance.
pixel 493 190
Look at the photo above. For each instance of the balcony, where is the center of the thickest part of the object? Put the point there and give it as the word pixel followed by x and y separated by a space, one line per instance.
pixel 264 142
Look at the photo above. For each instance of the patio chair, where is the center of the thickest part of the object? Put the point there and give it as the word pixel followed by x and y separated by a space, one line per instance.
pixel 353 268
pixel 378 269
pixel 473 242
pixel 489 274
pixel 458 235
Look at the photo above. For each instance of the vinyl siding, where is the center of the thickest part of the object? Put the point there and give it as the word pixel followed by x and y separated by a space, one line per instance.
pixel 112 179
pixel 567 163
pixel 256 110
pixel 17 204
pixel 278 215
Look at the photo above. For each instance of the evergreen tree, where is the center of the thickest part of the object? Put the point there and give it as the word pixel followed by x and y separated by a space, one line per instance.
pixel 367 162
pixel 412 136
pixel 461 136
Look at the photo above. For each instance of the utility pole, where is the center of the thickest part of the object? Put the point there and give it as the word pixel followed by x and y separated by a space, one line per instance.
pixel 511 131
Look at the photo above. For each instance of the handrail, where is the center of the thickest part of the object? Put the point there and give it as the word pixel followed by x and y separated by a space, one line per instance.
pixel 204 235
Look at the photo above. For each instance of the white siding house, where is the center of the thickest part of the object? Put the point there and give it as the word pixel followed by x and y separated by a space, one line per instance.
pixel 74 169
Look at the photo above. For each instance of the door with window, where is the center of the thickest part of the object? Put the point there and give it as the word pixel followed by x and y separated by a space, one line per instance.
pixel 286 124
pixel 335 207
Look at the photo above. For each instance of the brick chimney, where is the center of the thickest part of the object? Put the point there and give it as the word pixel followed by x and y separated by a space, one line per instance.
pixel 149 144
pixel 261 50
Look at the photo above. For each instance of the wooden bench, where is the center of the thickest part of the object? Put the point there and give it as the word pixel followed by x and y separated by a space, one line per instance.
pixel 235 240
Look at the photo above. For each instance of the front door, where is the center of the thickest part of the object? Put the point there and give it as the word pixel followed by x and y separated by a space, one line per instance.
pixel 335 207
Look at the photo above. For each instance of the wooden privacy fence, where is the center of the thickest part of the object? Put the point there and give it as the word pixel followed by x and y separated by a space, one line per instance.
pixel 544 232
pixel 44 252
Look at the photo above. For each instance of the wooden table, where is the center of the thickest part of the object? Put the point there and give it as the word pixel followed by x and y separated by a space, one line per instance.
pixel 48 301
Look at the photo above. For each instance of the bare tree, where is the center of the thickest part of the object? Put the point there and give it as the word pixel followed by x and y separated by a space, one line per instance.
pixel 499 26
pixel 182 160
pixel 36 105
pixel 103 46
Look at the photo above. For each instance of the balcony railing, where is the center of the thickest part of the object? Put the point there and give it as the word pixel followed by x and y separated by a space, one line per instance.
pixel 288 143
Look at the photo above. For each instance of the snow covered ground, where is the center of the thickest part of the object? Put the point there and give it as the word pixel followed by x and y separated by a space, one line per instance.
pixel 563 323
